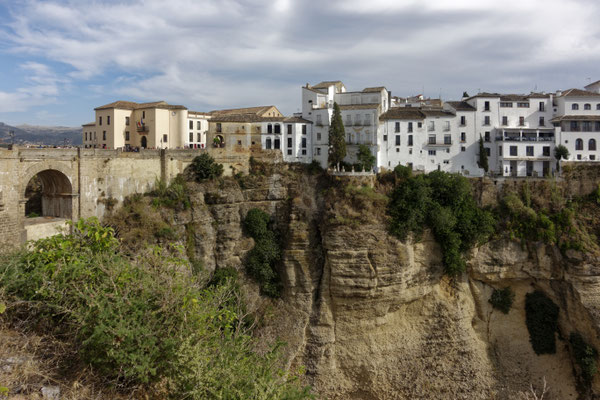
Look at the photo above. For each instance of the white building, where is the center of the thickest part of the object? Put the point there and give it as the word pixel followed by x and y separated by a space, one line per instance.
pixel 290 134
pixel 197 130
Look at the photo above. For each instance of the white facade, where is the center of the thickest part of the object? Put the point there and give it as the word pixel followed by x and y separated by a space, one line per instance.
pixel 197 124
pixel 292 135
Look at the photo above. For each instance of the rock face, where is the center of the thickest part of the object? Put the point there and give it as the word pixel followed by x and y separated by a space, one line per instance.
pixel 371 317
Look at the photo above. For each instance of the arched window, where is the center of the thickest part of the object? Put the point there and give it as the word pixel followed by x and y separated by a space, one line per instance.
pixel 587 106
pixel 579 144
pixel 277 128
pixel 575 106
pixel 268 142
pixel 592 144
pixel 269 128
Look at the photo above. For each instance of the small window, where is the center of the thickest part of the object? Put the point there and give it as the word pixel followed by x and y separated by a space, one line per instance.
pixel 542 106
pixel 397 127
pixel 431 139
pixel 542 122
pixel 198 125
pixel 431 152
pixel 592 144
pixel 463 148
pixel 431 126
pixel 410 140
pixel 575 106
pixel 165 139
pixel 268 144
pixel 486 136
pixel 579 144
pixel 318 151
pixel 447 139
pixel 463 136
pixel 488 151
pixel 529 151
pixel 289 152
pixel 108 120
pixel 513 151
pixel 523 105
pixel 127 136
pixel 505 120
pixel 521 121
pixel 99 120
pixel 598 107
pixel 126 120
pixel 463 120
pixel 546 151
pixel 486 120
pixel 191 136
pixel 289 142
pixel 500 151
pixel 219 127
pixel 385 138
pixel 397 149
pixel 579 156
pixel 592 157
pixel 199 137
pixel 587 106
pixel 397 140
pixel 269 129
pixel 486 106
pixel 318 136
pixel 304 129
pixel 289 129
pixel 410 127
pixel 277 128
pixel 277 144
pixel 239 142
pixel 303 145
pixel 419 125
pixel 191 124
pixel 143 114
pixel 103 135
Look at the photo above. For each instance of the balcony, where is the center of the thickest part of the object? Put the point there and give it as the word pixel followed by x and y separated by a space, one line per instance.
pixel 142 129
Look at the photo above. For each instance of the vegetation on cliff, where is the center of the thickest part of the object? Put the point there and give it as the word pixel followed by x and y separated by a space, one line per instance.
pixel 585 356
pixel 444 203
pixel 502 299
pixel 145 321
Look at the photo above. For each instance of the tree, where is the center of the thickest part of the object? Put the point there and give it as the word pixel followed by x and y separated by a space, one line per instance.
pixel 366 159
pixel 560 151
pixel 483 158
pixel 205 167
pixel 337 137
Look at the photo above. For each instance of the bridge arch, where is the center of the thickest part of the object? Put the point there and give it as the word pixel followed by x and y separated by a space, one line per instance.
pixel 57 189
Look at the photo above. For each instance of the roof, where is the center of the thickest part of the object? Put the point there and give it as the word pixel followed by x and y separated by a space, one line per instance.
pixel 297 119
pixel 533 95
pixel 243 111
pixel 319 91
pixel 374 89
pixel 592 84
pixel 326 84
pixel 576 118
pixel 130 105
pixel 368 106
pixel 89 124
pixel 241 118
pixel 402 113
pixel 513 97
pixel 578 93
pixel 437 113
pixel 485 94
pixel 199 113
pixel 460 105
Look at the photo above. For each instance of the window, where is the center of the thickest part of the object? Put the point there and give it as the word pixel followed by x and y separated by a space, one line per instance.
pixel 542 106
pixel 410 127
pixel 463 120
pixel 304 129
pixel 500 151
pixel 319 121
pixel 303 145
pixel 463 148
pixel 513 151
pixel 108 120
pixel 191 124
pixel 579 144
pixel 447 139
pixel 410 140
pixel 99 120
pixel 431 139
pixel 289 152
pixel 505 120
pixel 486 120
pixel 587 126
pixel 277 143
pixel 575 106
pixel 529 151
pixel 348 119
pixel 419 125
pixel 103 135
pixel 268 143
pixel 579 156
pixel 574 126
pixel 506 104
pixel 269 128
pixel 592 157
pixel 431 126
pixel 542 122
pixel 592 144
pixel 523 105
pixel 597 126
pixel 397 140
pixel 486 136
pixel 397 149
pixel 587 106
pixel 165 139
pixel 431 152
pixel 385 138
pixel 357 120
pixel 486 106
pixel 598 107
pixel 488 151
pixel 198 125
pixel 199 137
pixel 277 128
pixel 318 136
pixel 397 127
pixel 86 136
pixel 447 126
pixel 463 136
pixel 546 151
pixel 289 142
pixel 318 150
pixel 521 121
pixel 191 136
pixel 368 119
pixel 219 127
pixel 289 129
pixel 126 120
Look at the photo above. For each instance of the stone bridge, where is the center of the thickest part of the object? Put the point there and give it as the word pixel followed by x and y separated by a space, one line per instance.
pixel 81 183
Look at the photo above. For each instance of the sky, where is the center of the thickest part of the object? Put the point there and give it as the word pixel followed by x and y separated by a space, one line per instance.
pixel 60 59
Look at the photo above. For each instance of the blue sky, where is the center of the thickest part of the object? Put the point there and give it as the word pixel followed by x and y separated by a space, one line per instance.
pixel 60 59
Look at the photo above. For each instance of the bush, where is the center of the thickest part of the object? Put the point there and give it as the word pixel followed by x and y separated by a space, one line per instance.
pixel 444 203
pixel 365 158
pixel 314 167
pixel 403 172
pixel 145 321
pixel 542 322
pixel 205 167
pixel 585 356
pixel 175 195
pixel 262 259
pixel 502 299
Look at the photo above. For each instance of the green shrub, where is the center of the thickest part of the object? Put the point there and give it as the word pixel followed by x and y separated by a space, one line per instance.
pixel 403 172
pixel 175 195
pixel 585 356
pixel 314 167
pixel 502 299
pixel 262 259
pixel 365 158
pixel 444 203
pixel 542 322
pixel 205 167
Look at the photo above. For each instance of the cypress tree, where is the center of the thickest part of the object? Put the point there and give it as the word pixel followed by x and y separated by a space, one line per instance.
pixel 483 159
pixel 337 137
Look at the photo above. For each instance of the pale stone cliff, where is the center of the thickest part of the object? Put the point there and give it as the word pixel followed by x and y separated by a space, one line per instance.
pixel 371 317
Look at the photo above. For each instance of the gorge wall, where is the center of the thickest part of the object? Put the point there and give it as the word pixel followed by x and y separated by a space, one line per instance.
pixel 371 317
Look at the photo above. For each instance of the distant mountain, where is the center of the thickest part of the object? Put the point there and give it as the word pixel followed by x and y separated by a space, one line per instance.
pixel 47 135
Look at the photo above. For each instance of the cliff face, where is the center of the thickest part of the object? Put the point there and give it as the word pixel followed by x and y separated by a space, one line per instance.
pixel 371 317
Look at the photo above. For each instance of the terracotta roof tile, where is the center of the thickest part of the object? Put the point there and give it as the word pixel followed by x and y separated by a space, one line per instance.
pixel 460 105
pixel 403 113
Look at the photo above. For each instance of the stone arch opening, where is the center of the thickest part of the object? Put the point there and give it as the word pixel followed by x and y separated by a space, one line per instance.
pixel 49 193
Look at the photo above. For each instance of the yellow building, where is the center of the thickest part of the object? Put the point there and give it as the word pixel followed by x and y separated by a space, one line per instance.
pixel 125 124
